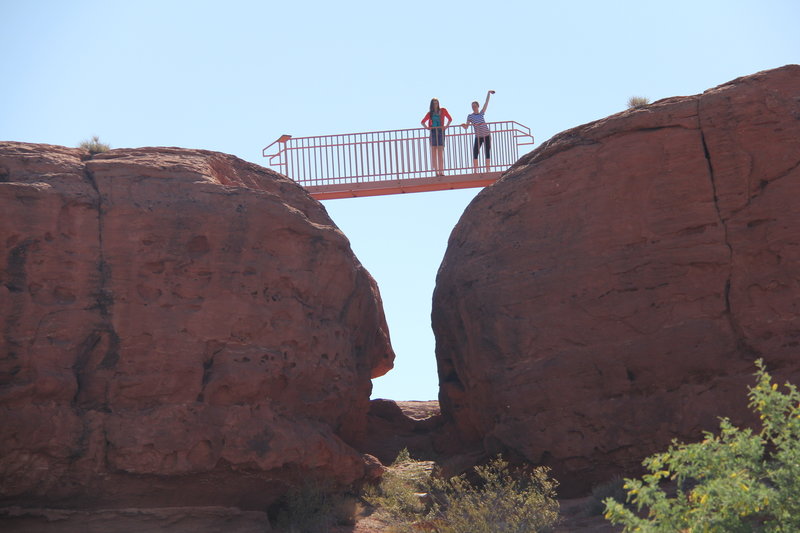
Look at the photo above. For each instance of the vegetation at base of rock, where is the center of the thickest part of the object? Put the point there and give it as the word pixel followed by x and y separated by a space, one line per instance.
pixel 736 481
pixel 401 491
pixel 635 102
pixel 404 456
pixel 613 488
pixel 94 146
pixel 313 507
pixel 500 499
pixel 518 502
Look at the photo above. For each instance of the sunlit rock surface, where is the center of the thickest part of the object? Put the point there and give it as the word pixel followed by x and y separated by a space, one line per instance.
pixel 611 292
pixel 180 327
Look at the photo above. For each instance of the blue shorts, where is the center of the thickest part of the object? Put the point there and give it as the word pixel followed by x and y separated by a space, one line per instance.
pixel 437 136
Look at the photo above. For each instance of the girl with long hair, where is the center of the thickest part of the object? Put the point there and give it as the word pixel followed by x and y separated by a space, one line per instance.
pixel 435 122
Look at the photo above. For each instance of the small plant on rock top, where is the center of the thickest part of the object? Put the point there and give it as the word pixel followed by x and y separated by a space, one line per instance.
pixel 736 481
pixel 635 102
pixel 94 146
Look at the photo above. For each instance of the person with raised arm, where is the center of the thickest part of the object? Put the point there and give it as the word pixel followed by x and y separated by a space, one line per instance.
pixel 482 134
pixel 435 122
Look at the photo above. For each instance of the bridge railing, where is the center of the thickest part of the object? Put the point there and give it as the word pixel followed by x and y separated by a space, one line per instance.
pixel 358 158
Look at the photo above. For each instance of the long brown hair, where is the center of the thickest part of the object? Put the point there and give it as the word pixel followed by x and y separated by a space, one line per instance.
pixel 438 107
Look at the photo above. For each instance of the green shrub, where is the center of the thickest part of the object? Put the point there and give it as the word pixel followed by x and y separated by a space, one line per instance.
pixel 313 507
pixel 94 146
pixel 398 496
pixel 402 491
pixel 403 457
pixel 416 500
pixel 737 481
pixel 613 488
pixel 635 102
pixel 500 501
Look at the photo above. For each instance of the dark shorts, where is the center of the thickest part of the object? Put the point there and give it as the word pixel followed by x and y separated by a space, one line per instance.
pixel 476 148
pixel 437 137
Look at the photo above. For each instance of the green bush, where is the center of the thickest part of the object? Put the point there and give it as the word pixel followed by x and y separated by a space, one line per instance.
pixel 94 146
pixel 500 501
pixel 635 102
pixel 399 497
pixel 737 481
pixel 417 500
pixel 613 488
pixel 403 457
pixel 402 490
pixel 313 507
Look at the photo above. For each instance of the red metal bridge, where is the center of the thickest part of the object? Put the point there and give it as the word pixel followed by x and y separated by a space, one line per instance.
pixel 393 162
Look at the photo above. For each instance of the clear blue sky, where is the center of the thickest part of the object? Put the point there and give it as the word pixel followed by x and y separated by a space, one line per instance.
pixel 233 76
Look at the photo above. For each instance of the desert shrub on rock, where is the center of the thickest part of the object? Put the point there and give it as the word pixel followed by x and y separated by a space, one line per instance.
pixel 94 146
pixel 635 102
pixel 736 481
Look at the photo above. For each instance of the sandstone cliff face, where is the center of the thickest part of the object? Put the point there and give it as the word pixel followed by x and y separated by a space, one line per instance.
pixel 180 327
pixel 612 290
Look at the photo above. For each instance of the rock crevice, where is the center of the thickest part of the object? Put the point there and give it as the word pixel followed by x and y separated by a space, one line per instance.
pixel 729 313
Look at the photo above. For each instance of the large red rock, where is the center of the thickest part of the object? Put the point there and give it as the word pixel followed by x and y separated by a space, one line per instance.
pixel 180 327
pixel 611 292
pixel 163 520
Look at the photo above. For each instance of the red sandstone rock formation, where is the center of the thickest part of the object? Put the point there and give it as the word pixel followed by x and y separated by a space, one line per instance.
pixel 180 327
pixel 163 520
pixel 612 290
pixel 393 426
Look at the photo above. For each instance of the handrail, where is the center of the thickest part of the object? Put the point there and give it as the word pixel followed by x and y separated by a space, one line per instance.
pixel 357 158
pixel 282 139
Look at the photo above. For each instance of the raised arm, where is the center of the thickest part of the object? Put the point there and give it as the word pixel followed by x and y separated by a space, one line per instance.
pixel 486 103
pixel 425 120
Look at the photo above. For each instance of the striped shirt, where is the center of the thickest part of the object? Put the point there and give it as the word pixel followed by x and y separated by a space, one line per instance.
pixel 479 124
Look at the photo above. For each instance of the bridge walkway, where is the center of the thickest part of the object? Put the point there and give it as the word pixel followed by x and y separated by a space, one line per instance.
pixel 392 162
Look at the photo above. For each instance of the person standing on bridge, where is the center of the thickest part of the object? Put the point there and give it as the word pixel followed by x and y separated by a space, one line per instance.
pixel 482 135
pixel 435 122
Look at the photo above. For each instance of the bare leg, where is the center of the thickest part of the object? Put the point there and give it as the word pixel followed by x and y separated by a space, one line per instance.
pixel 440 160
pixel 475 165
pixel 487 165
pixel 433 159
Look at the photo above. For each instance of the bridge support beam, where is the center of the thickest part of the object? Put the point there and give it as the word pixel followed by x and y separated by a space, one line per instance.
pixel 402 186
